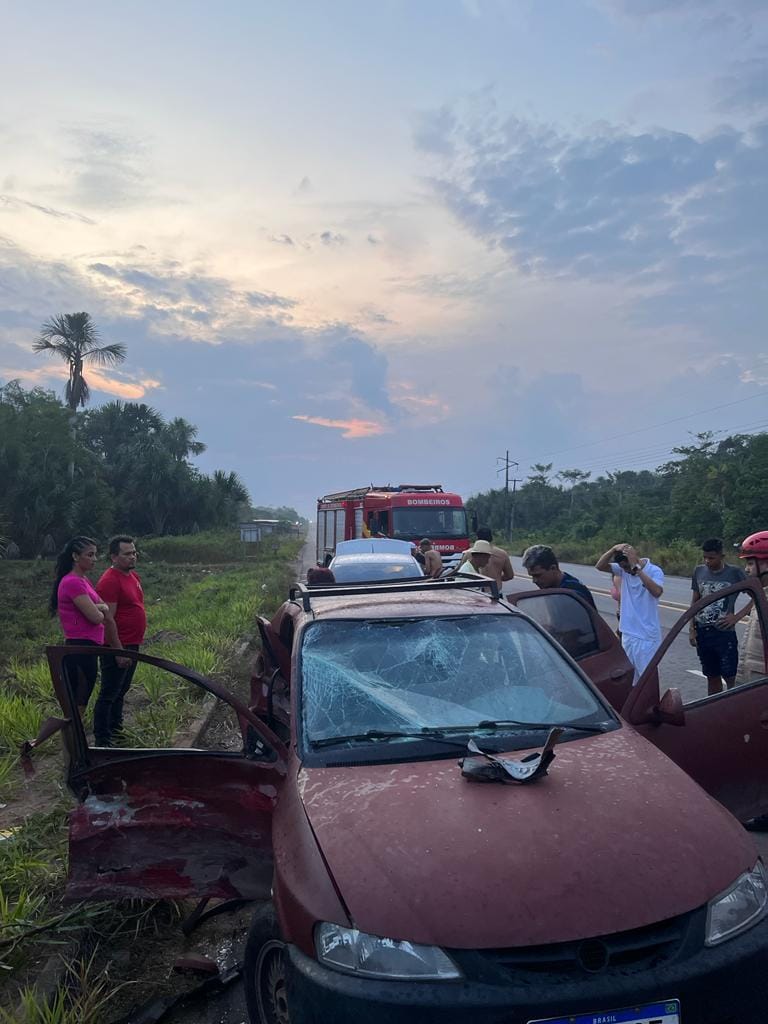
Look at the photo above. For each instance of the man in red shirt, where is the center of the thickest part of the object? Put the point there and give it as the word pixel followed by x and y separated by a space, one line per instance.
pixel 120 588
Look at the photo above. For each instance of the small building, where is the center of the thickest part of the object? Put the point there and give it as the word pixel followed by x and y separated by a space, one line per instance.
pixel 254 530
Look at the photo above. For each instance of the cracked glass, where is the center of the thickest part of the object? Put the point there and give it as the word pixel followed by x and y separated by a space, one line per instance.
pixel 408 674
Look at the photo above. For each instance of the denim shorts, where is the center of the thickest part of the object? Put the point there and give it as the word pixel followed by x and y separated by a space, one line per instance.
pixel 718 651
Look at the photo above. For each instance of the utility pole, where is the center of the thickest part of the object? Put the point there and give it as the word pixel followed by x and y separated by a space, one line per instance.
pixel 509 507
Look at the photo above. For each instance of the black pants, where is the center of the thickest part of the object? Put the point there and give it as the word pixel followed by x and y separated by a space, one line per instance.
pixel 115 683
pixel 81 671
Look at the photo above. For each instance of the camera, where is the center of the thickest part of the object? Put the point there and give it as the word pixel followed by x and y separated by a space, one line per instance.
pixel 620 557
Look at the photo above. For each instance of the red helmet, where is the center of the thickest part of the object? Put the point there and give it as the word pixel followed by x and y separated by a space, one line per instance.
pixel 755 545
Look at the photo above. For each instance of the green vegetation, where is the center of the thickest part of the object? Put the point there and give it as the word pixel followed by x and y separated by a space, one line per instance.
pixel 282 512
pixel 208 547
pixel 120 467
pixel 196 614
pixel 711 489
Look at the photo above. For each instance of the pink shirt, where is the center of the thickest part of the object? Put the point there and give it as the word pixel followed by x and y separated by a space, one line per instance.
pixel 73 622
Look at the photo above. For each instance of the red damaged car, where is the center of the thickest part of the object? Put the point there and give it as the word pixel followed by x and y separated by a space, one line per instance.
pixel 617 886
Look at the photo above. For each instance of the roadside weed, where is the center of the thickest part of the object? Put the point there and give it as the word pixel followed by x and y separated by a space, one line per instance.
pixel 82 998
pixel 20 718
pixel 31 678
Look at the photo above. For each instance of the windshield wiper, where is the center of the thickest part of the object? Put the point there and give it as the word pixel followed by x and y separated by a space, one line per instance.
pixel 434 735
pixel 512 722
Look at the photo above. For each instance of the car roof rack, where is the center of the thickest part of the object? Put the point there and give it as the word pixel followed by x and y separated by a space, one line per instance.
pixel 354 590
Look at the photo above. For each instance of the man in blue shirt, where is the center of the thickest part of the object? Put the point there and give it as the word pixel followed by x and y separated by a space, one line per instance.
pixel 541 564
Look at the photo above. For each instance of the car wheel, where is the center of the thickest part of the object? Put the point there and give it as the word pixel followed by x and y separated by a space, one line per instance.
pixel 265 970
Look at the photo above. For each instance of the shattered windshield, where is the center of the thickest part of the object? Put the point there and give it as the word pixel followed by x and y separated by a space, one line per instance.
pixel 406 674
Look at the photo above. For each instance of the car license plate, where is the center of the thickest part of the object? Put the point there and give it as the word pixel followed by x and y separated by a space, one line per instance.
pixel 667 1012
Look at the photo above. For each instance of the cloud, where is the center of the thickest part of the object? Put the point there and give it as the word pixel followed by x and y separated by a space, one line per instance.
pixel 179 299
pixel 304 186
pixel 108 169
pixel 268 300
pixel 282 239
pixel 433 131
pixel 707 11
pixel 332 238
pixel 745 87
pixel 98 380
pixel 13 202
pixel 660 211
pixel 353 428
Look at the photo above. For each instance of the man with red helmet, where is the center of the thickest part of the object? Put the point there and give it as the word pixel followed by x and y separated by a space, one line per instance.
pixel 754 551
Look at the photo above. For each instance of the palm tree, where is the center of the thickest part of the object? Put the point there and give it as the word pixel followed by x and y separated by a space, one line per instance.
pixel 74 338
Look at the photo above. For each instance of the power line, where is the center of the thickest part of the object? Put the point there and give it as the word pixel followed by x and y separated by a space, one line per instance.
pixel 665 450
pixel 653 426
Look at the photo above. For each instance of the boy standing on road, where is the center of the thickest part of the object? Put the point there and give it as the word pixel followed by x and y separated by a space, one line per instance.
pixel 712 630
pixel 642 584
pixel 120 587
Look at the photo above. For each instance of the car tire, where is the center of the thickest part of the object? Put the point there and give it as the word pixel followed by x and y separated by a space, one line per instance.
pixel 264 970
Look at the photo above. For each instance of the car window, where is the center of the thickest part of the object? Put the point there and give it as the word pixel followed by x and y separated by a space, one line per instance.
pixel 565 619
pixel 416 673
pixel 357 572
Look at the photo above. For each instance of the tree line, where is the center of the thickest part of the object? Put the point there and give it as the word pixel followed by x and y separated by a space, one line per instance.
pixel 711 488
pixel 119 467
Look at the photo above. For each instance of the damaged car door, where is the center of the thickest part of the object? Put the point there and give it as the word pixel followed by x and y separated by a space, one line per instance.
pixel 583 633
pixel 719 739
pixel 169 823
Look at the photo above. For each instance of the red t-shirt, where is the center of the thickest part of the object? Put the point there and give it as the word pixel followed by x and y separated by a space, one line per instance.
pixel 123 589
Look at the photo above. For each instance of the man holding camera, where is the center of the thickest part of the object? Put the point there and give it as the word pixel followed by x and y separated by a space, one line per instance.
pixel 642 584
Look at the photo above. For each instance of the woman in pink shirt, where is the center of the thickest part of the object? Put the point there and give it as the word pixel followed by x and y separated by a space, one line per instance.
pixel 83 615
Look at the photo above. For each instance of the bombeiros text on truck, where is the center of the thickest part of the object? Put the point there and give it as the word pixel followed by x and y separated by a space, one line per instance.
pixel 402 512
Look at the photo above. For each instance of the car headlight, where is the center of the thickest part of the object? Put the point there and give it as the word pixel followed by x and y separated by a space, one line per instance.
pixel 739 907
pixel 370 956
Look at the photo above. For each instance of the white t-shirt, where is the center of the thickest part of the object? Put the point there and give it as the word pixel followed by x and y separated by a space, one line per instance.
pixel 467 569
pixel 639 608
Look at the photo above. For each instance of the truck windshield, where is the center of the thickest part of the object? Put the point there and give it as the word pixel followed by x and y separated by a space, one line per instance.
pixel 405 674
pixel 415 523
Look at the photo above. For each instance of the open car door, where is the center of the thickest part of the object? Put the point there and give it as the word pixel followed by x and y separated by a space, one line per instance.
pixel 585 635
pixel 169 823
pixel 720 740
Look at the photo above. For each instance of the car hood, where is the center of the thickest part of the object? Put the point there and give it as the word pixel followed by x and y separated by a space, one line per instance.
pixel 615 837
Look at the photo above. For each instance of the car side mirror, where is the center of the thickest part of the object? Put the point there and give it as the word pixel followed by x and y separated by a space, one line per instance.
pixel 670 710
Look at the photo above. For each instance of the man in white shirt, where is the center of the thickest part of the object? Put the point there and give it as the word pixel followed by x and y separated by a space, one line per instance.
pixel 642 584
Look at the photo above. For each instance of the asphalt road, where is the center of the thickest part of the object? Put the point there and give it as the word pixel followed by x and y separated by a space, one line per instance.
pixel 680 667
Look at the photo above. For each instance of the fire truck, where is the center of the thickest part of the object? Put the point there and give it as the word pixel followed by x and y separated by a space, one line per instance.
pixel 402 512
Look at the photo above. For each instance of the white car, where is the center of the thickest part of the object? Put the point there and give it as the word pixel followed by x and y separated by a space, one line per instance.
pixel 365 567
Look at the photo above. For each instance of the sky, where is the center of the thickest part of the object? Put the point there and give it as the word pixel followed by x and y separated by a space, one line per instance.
pixel 361 242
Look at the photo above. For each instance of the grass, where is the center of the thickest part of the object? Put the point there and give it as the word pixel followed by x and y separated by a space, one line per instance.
pixel 196 613
pixel 207 548
pixel 82 998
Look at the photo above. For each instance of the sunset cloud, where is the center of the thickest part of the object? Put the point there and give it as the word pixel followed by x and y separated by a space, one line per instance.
pixel 350 428
pixel 129 390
